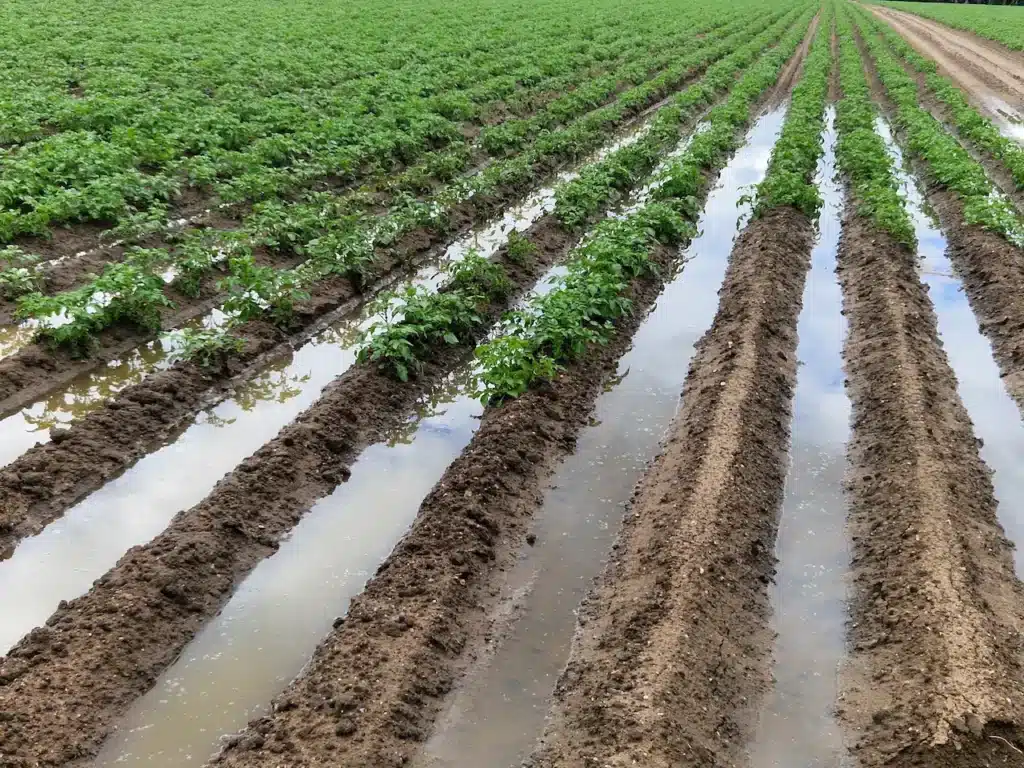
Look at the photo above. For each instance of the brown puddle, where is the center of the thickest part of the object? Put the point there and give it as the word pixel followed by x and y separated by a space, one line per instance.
pixel 797 726
pixel 996 418
pixel 498 712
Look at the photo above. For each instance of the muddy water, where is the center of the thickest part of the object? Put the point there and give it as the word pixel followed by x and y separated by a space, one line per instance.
pixel 997 421
pixel 267 632
pixel 497 714
pixel 797 726
pixel 237 664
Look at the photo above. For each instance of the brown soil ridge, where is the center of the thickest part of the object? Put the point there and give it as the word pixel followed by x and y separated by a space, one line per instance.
pixel 991 268
pixel 935 675
pixel 375 685
pixel 99 652
pixel 978 69
pixel 672 652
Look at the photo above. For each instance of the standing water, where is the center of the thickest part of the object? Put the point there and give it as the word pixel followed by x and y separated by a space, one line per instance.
pixel 497 714
pixel 797 725
pixel 995 416
pixel 63 560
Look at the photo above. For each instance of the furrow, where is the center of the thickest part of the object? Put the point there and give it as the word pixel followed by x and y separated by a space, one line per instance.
pixel 934 675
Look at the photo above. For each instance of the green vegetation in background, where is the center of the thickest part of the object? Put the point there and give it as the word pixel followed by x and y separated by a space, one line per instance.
pixel 110 109
pixel 968 121
pixel 946 161
pixel 860 152
pixel 554 329
pixel 559 326
pixel 337 238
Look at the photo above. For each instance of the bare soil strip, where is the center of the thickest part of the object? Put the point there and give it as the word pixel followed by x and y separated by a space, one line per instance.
pixel 672 653
pixel 936 672
pixel 981 71
pixel 104 649
pixel 992 269
pixel 794 67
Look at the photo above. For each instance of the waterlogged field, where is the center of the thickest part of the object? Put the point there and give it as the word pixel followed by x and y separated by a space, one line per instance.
pixel 489 384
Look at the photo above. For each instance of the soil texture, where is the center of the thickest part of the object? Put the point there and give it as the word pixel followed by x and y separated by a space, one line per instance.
pixel 935 675
pixel 672 652
pixel 107 647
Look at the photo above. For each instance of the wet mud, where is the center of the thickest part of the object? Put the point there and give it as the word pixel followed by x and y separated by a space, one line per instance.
pixel 374 686
pixel 107 647
pixel 672 652
pixel 934 676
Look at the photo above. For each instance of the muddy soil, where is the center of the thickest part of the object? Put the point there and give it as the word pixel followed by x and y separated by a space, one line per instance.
pixel 672 651
pixel 107 647
pixel 935 675
pixel 375 685
pixel 984 71
pixel 38 486
pixel 794 67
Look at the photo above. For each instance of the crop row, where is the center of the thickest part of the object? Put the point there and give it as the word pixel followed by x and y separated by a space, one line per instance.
pixel 860 152
pixel 553 329
pixel 948 163
pixel 331 231
pixel 77 175
pixel 579 200
pixel 790 176
pixel 970 123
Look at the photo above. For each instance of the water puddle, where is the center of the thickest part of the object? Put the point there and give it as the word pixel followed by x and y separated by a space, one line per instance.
pixel 91 390
pixel 69 554
pixel 997 421
pixel 497 714
pixel 797 726
pixel 268 630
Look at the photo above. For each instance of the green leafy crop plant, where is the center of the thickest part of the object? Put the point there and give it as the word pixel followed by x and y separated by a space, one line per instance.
pixel 217 105
pixel 577 201
pixel 860 152
pixel 790 176
pixel 552 330
pixel 948 163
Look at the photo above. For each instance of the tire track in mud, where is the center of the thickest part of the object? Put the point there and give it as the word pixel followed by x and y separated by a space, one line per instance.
pixel 992 268
pixel 935 675
pixel 672 653
pixel 107 647
pixel 982 72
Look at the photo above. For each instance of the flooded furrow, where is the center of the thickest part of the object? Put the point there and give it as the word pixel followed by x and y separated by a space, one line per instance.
pixel 63 560
pixel 797 726
pixel 215 688
pixel 93 388
pixel 497 714
pixel 995 416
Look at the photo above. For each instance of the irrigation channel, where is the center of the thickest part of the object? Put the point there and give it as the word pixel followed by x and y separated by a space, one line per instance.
pixel 997 421
pixel 63 560
pixel 288 379
pixel 268 630
pixel 797 725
